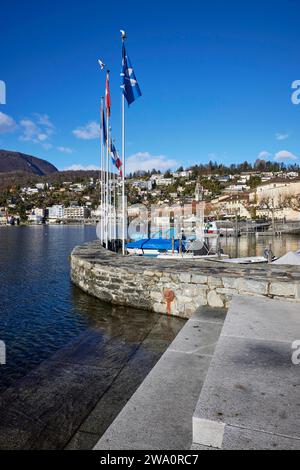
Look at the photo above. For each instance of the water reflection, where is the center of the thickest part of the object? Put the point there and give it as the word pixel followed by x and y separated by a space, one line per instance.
pixel 41 312
pixel 252 246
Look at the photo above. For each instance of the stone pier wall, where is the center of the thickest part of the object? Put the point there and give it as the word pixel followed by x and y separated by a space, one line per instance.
pixel 176 287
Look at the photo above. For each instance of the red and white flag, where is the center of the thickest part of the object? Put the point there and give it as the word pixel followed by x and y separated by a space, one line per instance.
pixel 107 96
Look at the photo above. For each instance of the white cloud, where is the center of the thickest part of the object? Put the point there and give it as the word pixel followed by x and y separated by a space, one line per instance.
pixel 284 155
pixel 30 130
pixel 88 132
pixel 42 137
pixel 264 155
pixel 38 130
pixel 44 121
pixel 280 136
pixel 7 124
pixel 78 167
pixel 144 161
pixel 65 150
pixel 47 146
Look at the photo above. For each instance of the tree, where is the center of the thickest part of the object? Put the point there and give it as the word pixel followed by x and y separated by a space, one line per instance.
pixel 254 181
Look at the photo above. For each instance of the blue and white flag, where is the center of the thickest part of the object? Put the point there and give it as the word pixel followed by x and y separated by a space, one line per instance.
pixel 103 125
pixel 130 86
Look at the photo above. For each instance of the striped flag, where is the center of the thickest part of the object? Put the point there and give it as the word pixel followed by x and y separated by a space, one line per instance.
pixel 115 158
pixel 107 95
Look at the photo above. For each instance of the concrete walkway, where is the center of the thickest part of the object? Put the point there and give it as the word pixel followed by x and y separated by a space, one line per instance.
pixel 159 415
pixel 251 396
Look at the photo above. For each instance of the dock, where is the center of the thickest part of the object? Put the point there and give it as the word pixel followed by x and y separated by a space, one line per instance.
pixel 231 386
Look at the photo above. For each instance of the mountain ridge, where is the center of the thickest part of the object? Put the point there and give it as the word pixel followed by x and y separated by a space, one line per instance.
pixel 16 162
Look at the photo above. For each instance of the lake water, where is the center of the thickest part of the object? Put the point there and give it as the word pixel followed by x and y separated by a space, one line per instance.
pixel 40 310
pixel 72 361
pixel 252 246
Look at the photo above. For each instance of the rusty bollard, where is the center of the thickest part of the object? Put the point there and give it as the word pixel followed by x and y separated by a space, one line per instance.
pixel 169 298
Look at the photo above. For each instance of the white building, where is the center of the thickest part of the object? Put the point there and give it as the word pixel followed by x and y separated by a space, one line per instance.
pixel 36 216
pixel 147 185
pixel 236 188
pixel 56 212
pixel 76 212
pixel 275 193
pixel 164 182
pixel 183 174
pixel 3 217
pixel 156 177
pixel 30 191
pixel 40 186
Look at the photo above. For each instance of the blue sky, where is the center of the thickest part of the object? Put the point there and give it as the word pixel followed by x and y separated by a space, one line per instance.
pixel 216 80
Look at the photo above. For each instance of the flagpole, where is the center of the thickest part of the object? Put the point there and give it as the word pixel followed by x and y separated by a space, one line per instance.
pixel 124 165
pixel 110 187
pixel 123 177
pixel 115 210
pixel 102 175
pixel 131 92
pixel 107 179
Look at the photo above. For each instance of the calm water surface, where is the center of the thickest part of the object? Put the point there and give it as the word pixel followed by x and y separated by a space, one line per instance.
pixel 252 246
pixel 40 310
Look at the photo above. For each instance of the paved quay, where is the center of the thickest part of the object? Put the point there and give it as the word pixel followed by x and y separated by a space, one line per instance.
pixel 173 287
pixel 72 398
pixel 251 395
pixel 159 415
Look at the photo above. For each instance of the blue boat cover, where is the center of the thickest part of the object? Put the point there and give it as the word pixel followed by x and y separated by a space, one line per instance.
pixel 159 244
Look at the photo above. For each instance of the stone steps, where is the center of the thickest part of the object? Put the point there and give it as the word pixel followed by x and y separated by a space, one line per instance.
pixel 251 399
pixel 159 415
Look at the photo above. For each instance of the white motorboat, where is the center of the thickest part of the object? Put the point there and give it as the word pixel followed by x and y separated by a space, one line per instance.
pixel 192 257
pixel 249 260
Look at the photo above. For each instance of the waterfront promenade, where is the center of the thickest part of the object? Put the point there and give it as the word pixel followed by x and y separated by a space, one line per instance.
pixel 241 374
pixel 173 287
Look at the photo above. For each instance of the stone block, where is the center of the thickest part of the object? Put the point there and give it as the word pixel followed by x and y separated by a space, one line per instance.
pixel 250 286
pixel 297 293
pixel 199 279
pixel 252 384
pixel 152 274
pixel 214 282
pixel 185 277
pixel 227 292
pixel 158 296
pixel 245 439
pixel 200 301
pixel 229 282
pixel 263 319
pixel 165 402
pixel 214 299
pixel 283 289
pixel 197 337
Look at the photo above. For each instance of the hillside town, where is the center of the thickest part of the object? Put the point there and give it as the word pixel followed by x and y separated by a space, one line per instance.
pixel 252 194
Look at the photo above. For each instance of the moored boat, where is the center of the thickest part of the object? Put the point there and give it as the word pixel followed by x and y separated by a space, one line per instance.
pixel 154 246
